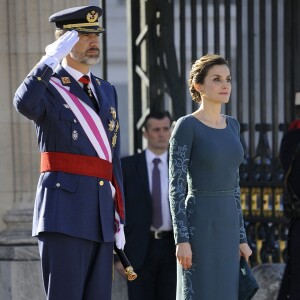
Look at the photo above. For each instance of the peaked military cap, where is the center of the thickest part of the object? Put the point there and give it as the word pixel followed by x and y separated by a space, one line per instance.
pixel 82 19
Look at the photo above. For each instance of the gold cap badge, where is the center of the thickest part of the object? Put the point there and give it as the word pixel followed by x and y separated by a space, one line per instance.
pixel 92 16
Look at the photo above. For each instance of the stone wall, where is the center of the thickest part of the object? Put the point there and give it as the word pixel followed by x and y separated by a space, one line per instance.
pixel 24 33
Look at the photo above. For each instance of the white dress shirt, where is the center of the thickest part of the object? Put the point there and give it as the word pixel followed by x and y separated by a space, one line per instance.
pixel 164 180
pixel 77 75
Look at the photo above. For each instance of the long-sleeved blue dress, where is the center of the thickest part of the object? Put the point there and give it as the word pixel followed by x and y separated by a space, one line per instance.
pixel 205 206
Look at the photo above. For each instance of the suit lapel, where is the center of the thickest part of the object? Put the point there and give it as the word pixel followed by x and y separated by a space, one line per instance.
pixel 143 173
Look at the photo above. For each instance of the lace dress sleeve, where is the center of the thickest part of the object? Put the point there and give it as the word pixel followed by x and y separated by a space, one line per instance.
pixel 243 237
pixel 180 151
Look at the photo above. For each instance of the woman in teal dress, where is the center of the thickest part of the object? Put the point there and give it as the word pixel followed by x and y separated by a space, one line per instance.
pixel 205 155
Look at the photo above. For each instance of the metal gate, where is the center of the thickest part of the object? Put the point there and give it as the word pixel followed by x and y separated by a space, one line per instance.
pixel 254 36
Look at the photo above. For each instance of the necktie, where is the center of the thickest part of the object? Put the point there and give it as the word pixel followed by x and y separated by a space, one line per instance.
pixel 156 195
pixel 86 80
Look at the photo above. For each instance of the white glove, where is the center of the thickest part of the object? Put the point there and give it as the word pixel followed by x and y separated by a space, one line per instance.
pixel 56 51
pixel 120 237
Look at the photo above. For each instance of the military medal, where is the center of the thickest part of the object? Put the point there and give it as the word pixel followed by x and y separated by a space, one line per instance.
pixel 75 135
pixel 117 126
pixel 111 125
pixel 113 112
pixel 114 140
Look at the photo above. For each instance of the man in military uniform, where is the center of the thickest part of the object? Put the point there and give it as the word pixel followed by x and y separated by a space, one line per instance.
pixel 79 206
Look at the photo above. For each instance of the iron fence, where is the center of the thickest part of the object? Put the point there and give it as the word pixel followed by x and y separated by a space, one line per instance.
pixel 167 36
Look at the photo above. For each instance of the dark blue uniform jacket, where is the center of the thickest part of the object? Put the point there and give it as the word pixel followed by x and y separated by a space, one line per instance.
pixel 77 205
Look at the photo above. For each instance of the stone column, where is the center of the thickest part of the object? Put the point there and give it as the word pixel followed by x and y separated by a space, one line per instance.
pixel 26 35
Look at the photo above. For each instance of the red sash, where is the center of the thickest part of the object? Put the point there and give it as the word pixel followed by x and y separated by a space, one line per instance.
pixel 76 164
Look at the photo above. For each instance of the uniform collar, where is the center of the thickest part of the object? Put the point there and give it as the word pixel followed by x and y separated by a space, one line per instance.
pixel 74 73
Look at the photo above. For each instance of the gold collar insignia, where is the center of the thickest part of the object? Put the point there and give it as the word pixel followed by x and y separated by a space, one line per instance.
pixel 65 80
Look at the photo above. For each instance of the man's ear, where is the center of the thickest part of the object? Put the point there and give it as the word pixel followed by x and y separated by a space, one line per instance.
pixel 145 133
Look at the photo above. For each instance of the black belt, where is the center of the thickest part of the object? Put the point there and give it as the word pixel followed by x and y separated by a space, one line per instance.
pixel 158 235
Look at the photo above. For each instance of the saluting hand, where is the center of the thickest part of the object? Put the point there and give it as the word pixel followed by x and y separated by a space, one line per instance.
pixel 63 45
pixel 56 51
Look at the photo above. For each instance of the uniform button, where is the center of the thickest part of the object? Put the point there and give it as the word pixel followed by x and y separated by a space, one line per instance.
pixel 58 184
pixel 101 182
pixel 75 121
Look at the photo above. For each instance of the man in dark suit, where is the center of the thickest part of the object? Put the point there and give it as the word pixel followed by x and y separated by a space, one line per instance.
pixel 79 209
pixel 150 244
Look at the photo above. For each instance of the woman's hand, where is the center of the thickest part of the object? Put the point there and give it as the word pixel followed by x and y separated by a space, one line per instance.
pixel 184 255
pixel 245 251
